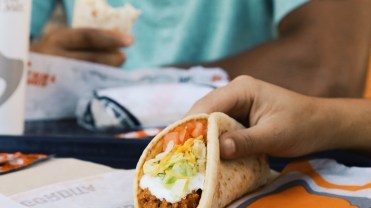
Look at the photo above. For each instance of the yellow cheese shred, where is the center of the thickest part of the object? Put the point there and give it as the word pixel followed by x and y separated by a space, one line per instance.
pixel 185 149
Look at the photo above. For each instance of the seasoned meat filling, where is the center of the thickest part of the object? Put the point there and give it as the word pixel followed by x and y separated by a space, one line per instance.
pixel 147 200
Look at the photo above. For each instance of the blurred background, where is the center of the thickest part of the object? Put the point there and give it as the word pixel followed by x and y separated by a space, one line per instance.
pixel 58 20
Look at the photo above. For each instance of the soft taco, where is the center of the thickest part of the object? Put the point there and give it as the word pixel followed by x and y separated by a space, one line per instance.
pixel 181 166
pixel 98 14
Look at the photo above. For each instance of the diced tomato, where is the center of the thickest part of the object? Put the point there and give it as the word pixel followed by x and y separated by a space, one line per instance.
pixel 178 129
pixel 190 126
pixel 198 130
pixel 172 136
pixel 184 135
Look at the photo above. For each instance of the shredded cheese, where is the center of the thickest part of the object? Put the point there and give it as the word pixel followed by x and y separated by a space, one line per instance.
pixel 185 149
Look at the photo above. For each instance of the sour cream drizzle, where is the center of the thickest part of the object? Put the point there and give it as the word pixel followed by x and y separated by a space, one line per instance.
pixel 157 188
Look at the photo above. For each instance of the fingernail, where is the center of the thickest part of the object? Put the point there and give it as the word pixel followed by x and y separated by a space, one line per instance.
pixel 229 146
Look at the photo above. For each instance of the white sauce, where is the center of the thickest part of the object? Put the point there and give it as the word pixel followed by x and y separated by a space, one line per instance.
pixel 156 187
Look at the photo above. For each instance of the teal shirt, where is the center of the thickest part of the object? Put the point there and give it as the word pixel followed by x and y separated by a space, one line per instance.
pixel 188 31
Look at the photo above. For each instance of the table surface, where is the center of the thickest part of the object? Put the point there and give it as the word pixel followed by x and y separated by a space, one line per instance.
pixel 49 172
pixel 66 127
pixel 65 138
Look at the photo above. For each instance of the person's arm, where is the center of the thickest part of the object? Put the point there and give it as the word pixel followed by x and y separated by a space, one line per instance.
pixel 322 50
pixel 284 123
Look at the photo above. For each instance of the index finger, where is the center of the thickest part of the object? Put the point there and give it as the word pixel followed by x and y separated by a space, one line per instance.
pixel 233 99
pixel 90 38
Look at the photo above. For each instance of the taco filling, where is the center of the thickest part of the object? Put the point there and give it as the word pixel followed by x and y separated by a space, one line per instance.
pixel 175 177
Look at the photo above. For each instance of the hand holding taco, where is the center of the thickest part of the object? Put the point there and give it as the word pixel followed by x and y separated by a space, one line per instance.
pixel 181 166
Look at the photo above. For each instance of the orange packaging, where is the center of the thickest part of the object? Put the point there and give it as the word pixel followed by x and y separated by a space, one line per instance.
pixel 140 134
pixel 10 162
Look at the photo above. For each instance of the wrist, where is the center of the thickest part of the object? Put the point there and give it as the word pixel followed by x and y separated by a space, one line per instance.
pixel 348 123
pixel 331 126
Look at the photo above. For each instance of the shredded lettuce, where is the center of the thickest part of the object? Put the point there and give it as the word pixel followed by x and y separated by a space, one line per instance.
pixel 177 164
pixel 168 179
pixel 152 165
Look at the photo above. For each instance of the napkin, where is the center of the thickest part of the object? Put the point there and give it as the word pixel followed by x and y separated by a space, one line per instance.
pixel 139 106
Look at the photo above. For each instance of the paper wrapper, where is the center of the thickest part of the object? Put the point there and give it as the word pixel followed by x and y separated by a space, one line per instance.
pixel 98 14
pixel 225 181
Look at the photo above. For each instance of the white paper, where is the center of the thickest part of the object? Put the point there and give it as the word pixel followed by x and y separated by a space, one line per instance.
pixel 110 190
pixel 114 189
pixel 56 84
pixel 6 202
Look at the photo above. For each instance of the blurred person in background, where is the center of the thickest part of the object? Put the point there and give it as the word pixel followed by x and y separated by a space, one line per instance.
pixel 318 47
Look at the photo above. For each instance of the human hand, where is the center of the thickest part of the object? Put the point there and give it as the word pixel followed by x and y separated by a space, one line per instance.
pixel 94 45
pixel 281 122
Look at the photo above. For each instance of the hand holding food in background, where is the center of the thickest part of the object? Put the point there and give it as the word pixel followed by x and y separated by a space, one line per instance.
pixel 94 45
pixel 98 33
pixel 284 123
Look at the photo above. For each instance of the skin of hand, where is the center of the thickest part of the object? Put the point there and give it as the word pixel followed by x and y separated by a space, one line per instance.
pixel 322 50
pixel 94 45
pixel 284 123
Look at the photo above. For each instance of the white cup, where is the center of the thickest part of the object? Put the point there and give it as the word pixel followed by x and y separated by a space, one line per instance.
pixel 15 18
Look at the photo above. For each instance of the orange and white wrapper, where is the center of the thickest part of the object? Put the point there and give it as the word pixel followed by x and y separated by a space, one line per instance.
pixel 320 183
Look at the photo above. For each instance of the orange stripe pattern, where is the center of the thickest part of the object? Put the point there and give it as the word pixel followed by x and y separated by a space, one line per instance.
pixel 304 167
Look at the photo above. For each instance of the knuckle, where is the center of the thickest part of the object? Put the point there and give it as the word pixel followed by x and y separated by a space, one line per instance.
pixel 243 79
pixel 243 88
pixel 87 37
pixel 53 39
pixel 244 143
pixel 248 144
pixel 243 82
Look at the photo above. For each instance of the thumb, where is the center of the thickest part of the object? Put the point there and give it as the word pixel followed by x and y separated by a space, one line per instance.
pixel 244 142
